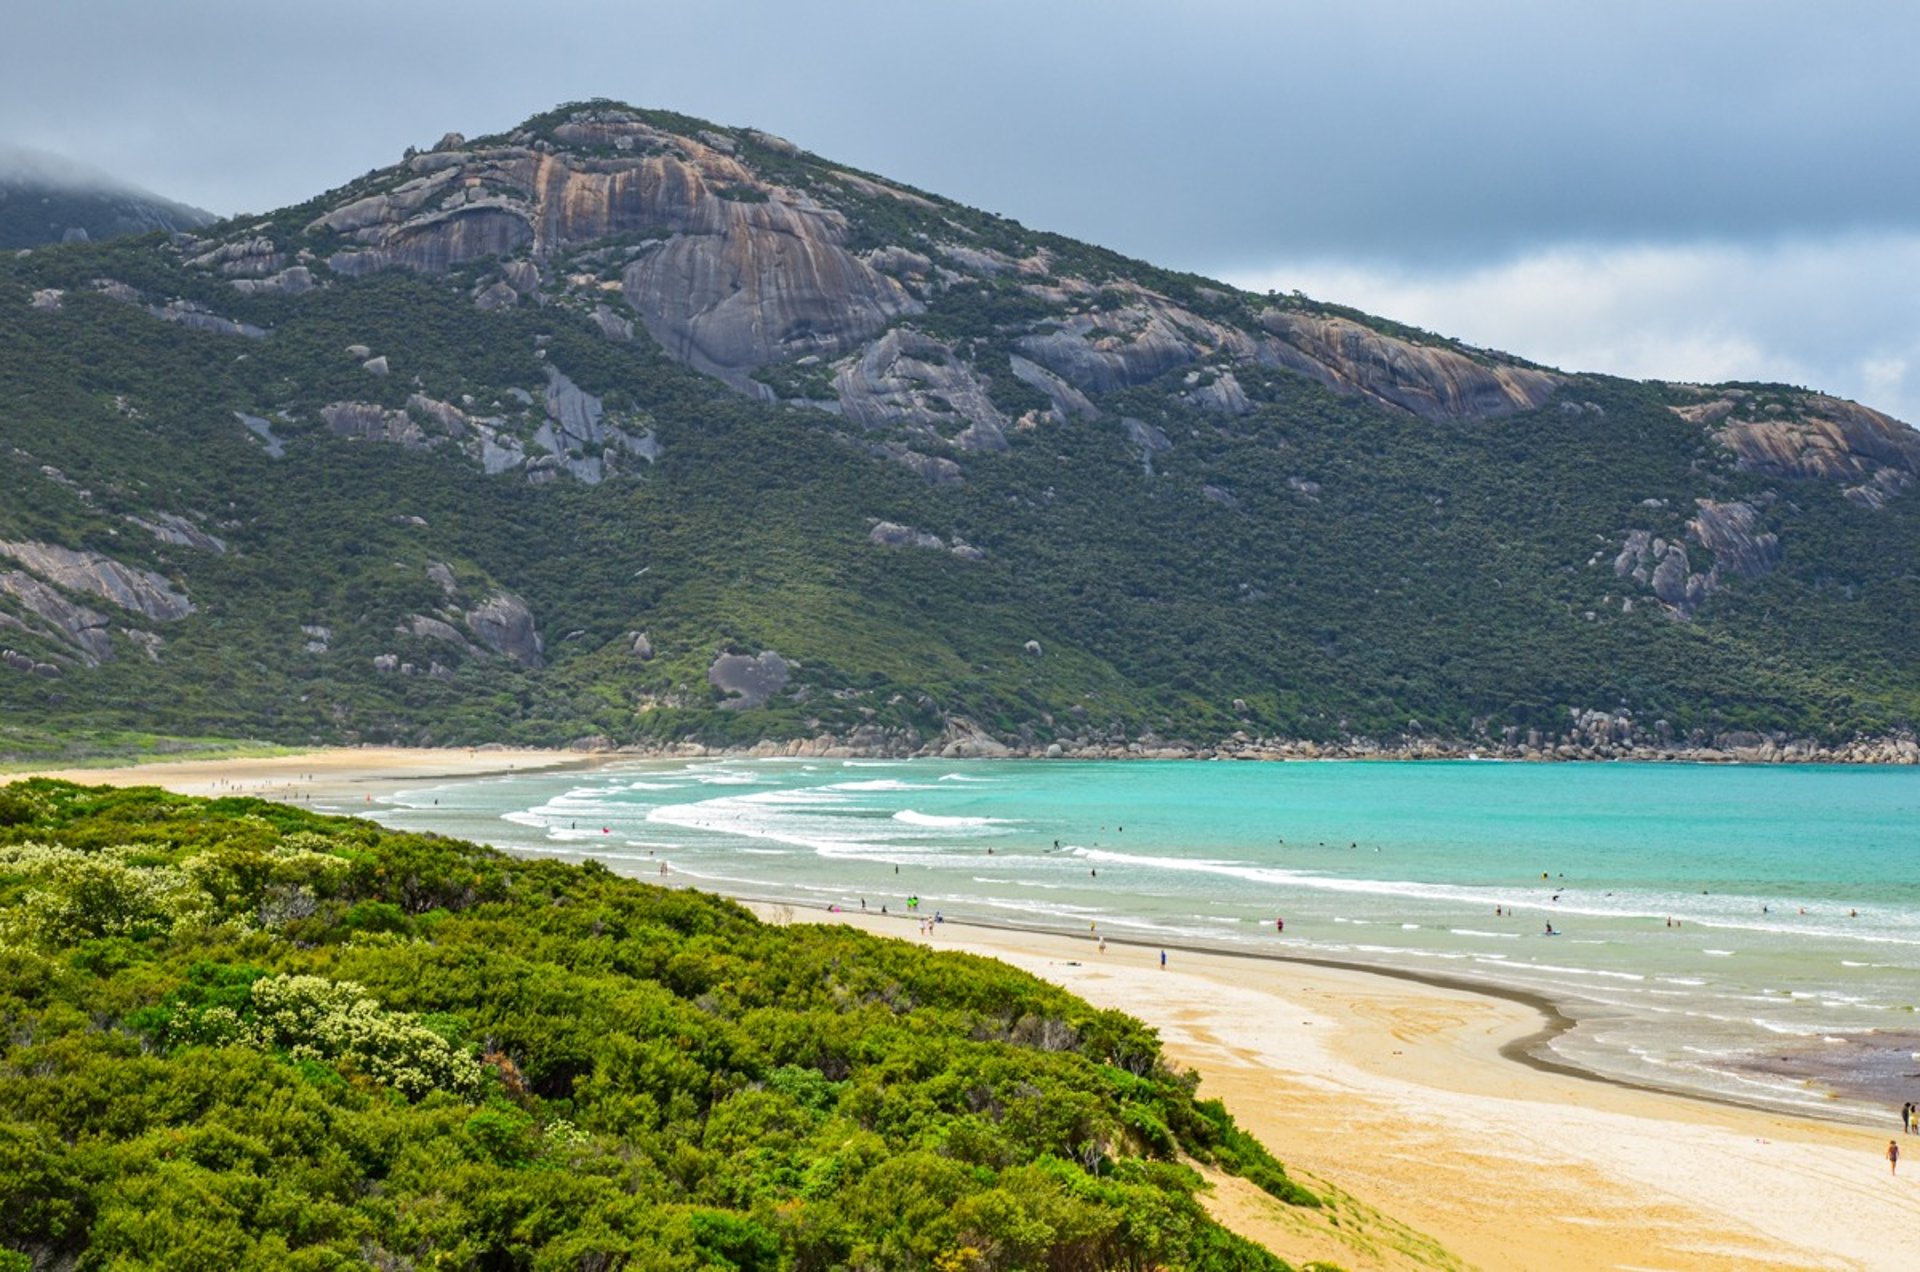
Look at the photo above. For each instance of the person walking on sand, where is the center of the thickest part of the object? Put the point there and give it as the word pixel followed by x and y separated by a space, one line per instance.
pixel 1893 1157
pixel 1163 960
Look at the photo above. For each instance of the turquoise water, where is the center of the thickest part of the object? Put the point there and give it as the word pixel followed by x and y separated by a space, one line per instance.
pixel 1750 931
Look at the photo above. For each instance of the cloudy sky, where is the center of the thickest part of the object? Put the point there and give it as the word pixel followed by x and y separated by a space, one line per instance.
pixel 1721 189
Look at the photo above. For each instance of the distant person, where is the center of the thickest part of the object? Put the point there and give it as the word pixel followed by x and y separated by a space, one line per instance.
pixel 1163 960
pixel 1103 945
pixel 1550 931
pixel 1279 925
pixel 1893 1157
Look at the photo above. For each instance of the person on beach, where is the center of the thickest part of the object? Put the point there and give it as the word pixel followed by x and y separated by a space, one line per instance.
pixel 1893 1157
pixel 1163 960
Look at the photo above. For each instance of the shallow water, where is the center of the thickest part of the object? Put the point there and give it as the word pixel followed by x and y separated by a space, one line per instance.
pixel 1746 931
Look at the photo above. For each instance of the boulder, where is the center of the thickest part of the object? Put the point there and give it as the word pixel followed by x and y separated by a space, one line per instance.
pixel 889 534
pixel 504 624
pixel 495 296
pixel 749 680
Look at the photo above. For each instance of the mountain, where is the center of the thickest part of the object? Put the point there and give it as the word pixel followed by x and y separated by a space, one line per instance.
pixel 47 199
pixel 626 428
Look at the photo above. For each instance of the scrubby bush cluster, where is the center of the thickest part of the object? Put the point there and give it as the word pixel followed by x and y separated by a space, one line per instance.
pixel 248 1036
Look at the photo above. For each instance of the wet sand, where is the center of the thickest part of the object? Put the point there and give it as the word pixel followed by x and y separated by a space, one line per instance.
pixel 1405 1097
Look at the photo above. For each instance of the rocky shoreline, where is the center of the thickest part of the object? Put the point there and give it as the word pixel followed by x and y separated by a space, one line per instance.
pixel 1588 741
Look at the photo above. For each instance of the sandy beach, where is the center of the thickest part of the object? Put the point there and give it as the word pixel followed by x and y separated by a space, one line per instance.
pixel 1397 1099
pixel 335 773
pixel 1394 1096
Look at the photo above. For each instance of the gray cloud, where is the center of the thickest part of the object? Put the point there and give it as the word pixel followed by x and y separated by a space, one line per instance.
pixel 1835 313
pixel 1223 136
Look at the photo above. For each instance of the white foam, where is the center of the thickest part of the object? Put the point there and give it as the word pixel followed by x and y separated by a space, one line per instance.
pixel 913 817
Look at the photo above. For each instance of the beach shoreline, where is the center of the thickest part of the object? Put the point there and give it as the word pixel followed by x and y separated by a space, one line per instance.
pixel 340 776
pixel 1412 1095
pixel 1420 1096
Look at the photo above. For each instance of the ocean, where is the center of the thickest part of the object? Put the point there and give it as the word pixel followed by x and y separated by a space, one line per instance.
pixel 1745 932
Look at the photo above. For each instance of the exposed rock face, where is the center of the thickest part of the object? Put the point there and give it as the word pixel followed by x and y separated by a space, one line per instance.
pixel 1662 566
pixel 612 325
pixel 1433 382
pixel 1115 350
pixel 443 417
pixel 435 629
pixel 1731 531
pixel 127 586
pixel 369 423
pixel 964 739
pixel 937 471
pixel 1875 456
pixel 1068 401
pixel 243 258
pixel 741 272
pixel 84 629
pixel 495 296
pixel 888 534
pixel 504 624
pixel 263 429
pixel 1147 441
pixel 576 435
pixel 1220 393
pixel 750 680
pixel 169 528
pixel 297 280
pixel 911 381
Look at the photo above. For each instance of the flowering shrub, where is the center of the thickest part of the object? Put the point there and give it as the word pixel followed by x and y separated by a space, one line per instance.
pixel 82 895
pixel 333 1022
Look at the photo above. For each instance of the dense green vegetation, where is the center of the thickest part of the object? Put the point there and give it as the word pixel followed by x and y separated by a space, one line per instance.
pixel 1335 568
pixel 234 1034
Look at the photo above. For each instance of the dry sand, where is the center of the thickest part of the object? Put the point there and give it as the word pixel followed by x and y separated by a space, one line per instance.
pixel 336 773
pixel 1390 1096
